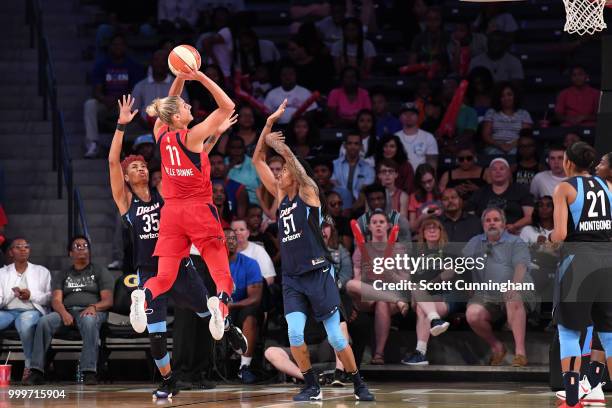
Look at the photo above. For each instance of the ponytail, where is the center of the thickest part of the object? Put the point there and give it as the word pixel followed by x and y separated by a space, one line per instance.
pixel 164 108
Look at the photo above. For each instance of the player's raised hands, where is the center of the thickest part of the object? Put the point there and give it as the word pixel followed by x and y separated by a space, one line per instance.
pixel 228 123
pixel 279 112
pixel 193 75
pixel 274 139
pixel 125 109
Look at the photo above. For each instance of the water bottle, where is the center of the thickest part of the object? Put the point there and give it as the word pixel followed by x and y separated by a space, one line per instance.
pixel 79 374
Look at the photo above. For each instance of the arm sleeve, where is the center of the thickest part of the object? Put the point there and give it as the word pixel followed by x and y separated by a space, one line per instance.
pixel 265 263
pixel 106 279
pixel 432 145
pixel 526 117
pixel 520 254
pixel 57 281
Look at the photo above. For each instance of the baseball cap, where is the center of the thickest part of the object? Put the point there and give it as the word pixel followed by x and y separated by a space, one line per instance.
pixel 143 139
pixel 409 107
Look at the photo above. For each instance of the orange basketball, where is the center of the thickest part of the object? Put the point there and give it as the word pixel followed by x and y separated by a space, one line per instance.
pixel 182 58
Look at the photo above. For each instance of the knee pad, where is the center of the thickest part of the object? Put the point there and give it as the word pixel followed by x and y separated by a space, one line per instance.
pixel 569 340
pixel 158 345
pixel 295 325
pixel 335 337
pixel 606 342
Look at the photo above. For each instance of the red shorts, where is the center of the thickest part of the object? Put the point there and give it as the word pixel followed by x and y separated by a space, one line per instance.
pixel 183 224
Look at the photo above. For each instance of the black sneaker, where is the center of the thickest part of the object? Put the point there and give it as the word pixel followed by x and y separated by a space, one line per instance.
pixel 36 378
pixel 309 393
pixel 89 378
pixel 236 339
pixel 167 389
pixel 362 393
pixel 341 379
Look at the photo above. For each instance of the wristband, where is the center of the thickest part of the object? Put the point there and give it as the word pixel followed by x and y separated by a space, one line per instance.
pixel 224 297
pixel 121 126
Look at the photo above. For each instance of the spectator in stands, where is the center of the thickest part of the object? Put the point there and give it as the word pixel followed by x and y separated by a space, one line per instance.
pixel 251 52
pixel 360 286
pixel 350 170
pixel 252 250
pixel 527 162
pixel 365 127
pixel 386 122
pixel 514 199
pixel 493 18
pixel 323 171
pixel 260 83
pixel 430 45
pixel 289 89
pixel 177 16
pixel 341 222
pixel 376 199
pixel 507 259
pixel 466 123
pixel 155 177
pixel 391 147
pixel 241 167
pixel 570 138
pixel 345 102
pixel 267 201
pixel 578 105
pixel 303 138
pixel 236 192
pixel 542 222
pixel 330 27
pixel 343 265
pixel 544 183
pixel 420 146
pixel 460 226
pixel 155 85
pixel 223 206
pixel 202 102
pixel 246 129
pixel 387 174
pixel 503 123
pixel 467 177
pixel 258 235
pixel 245 308
pixel 82 295
pixel 112 77
pixel 425 201
pixel 353 50
pixel 25 292
pixel 315 73
pixel 218 45
pixel 502 65
pixel 430 306
pixel 480 90
pixel 464 40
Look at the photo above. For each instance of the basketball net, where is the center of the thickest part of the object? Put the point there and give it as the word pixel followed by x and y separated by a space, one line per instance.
pixel 584 16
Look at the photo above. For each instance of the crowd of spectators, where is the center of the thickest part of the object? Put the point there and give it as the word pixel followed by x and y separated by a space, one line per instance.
pixel 486 183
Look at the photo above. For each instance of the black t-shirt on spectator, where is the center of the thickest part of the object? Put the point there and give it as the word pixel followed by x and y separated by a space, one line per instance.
pixel 511 201
pixel 316 75
pixel 82 288
pixel 462 230
pixel 524 175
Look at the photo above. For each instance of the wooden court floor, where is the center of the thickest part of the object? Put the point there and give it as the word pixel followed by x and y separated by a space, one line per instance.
pixel 414 395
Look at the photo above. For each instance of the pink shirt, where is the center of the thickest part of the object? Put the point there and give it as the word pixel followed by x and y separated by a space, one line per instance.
pixel 346 109
pixel 577 102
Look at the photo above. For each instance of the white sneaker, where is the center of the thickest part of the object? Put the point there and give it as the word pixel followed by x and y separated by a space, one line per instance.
pixel 92 151
pixel 589 397
pixel 216 324
pixel 138 317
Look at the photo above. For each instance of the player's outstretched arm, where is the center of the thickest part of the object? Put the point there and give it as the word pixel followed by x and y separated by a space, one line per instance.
pixel 560 212
pixel 120 193
pixel 210 142
pixel 209 126
pixel 259 155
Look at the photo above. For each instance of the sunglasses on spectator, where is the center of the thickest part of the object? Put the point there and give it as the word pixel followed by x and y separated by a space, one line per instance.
pixel 21 246
pixel 80 247
pixel 462 159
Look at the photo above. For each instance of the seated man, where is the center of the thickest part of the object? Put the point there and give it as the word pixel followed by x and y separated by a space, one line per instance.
pixel 253 250
pixel 81 297
pixel 25 292
pixel 245 309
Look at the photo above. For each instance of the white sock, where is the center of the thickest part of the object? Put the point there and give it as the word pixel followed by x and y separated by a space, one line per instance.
pixel 421 347
pixel 245 361
pixel 433 315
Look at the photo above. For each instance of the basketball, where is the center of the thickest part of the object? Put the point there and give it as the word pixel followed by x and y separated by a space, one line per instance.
pixel 182 58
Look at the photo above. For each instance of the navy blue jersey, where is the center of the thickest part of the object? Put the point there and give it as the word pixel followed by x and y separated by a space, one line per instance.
pixel 143 220
pixel 299 233
pixel 590 219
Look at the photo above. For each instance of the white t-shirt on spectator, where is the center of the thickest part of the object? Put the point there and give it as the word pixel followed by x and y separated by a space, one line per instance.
pixel 530 233
pixel 329 30
pixel 223 51
pixel 544 183
pixel 506 128
pixel 418 146
pixel 146 90
pixel 337 49
pixel 258 253
pixel 507 68
pixel 295 98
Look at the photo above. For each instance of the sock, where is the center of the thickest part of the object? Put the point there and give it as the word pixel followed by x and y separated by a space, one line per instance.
pixel 571 382
pixel 595 373
pixel 245 361
pixel 309 378
pixel 421 347
pixel 356 377
pixel 432 316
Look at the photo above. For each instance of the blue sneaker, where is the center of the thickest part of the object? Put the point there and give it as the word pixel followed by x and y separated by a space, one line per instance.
pixel 416 358
pixel 362 393
pixel 438 326
pixel 246 375
pixel 309 393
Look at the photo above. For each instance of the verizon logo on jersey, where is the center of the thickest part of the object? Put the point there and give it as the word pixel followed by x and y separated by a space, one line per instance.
pixel 179 172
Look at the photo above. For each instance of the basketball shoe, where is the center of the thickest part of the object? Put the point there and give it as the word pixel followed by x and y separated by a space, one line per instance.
pixel 309 393
pixel 138 317
pixel 236 339
pixel 167 389
pixel 217 323
pixel 589 397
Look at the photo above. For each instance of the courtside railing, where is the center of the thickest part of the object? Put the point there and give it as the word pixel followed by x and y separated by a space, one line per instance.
pixel 47 89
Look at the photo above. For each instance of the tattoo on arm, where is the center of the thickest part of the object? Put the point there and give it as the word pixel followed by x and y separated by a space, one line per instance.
pixel 295 166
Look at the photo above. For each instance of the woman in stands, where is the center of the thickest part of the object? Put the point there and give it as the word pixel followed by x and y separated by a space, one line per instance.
pixel 467 177
pixel 140 207
pixel 391 147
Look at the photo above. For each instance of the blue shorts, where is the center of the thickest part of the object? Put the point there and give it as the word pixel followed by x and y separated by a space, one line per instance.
pixel 315 290
pixel 188 291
